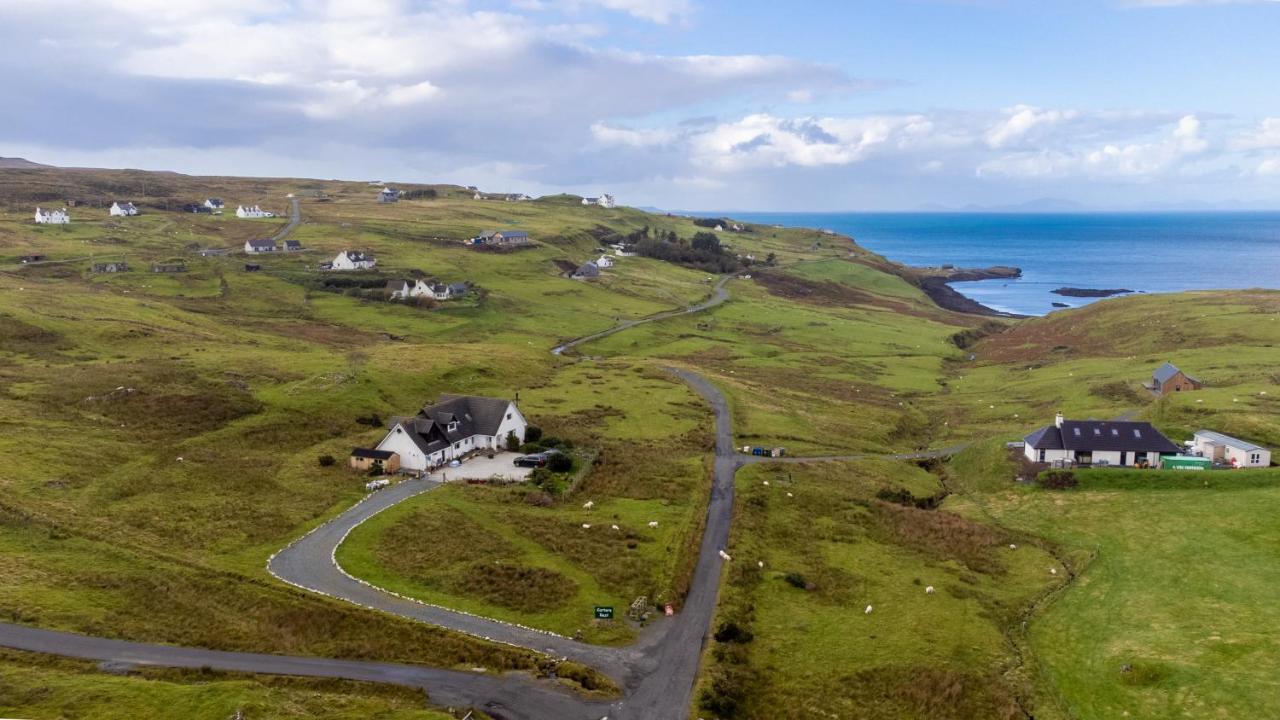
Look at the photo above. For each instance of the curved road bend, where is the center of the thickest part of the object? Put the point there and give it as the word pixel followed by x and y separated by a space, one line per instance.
pixel 718 295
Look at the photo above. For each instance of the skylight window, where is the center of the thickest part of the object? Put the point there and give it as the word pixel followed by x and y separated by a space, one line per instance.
pixel 1097 431
pixel 1137 433
pixel 1115 432
pixel 1077 431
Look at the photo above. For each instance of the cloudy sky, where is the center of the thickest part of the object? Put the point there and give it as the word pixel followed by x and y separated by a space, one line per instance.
pixel 683 104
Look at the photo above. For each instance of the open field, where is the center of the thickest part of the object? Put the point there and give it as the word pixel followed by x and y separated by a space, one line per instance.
pixel 1168 614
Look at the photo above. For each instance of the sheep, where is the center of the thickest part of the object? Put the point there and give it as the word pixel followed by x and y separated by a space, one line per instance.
pixel 1053 571
pixel 725 556
pixel 653 523
pixel 761 564
pixel 615 527
pixel 586 526
pixel 1012 546
pixel 589 504
pixel 867 611
pixel 790 495
pixel 766 482
pixel 928 590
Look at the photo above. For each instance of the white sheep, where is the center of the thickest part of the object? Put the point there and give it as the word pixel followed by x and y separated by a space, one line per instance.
pixel 1053 571
pixel 1013 546
pixel 615 527
pixel 928 590
pixel 867 611
pixel 653 523
pixel 586 526
pixel 790 495
pixel 725 556
pixel 766 482
pixel 589 504
pixel 761 563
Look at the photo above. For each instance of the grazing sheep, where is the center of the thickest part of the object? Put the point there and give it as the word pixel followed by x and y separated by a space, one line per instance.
pixel 790 495
pixel 589 504
pixel 867 611
pixel 928 590
pixel 653 523
pixel 766 482
pixel 1053 571
pixel 586 526
pixel 1012 546
pixel 615 527
pixel 761 563
pixel 725 556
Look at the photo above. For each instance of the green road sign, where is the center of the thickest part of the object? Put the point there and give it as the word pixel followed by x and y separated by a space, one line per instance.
pixel 604 612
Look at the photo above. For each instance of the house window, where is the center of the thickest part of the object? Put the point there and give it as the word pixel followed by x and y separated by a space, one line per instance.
pixel 1255 458
pixel 1041 456
pixel 508 416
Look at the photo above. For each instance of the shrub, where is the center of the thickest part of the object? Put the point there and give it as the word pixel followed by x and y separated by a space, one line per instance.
pixel 532 434
pixel 732 632
pixel 372 420
pixel 531 447
pixel 796 580
pixel 1058 479
pixel 327 460
pixel 513 442
pixel 560 463
pixel 538 498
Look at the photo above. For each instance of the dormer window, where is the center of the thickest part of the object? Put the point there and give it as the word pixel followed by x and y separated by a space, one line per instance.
pixel 1115 432
pixel 1097 431
pixel 453 426
pixel 1077 430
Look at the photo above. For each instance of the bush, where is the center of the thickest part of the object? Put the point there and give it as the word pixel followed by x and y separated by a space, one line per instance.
pixel 538 498
pixel 529 448
pixel 796 580
pixel 372 420
pixel 1058 479
pixel 513 442
pixel 560 463
pixel 327 461
pixel 532 434
pixel 732 632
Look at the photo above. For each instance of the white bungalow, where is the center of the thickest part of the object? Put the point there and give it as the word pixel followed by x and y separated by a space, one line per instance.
pixel 52 217
pixel 257 247
pixel 252 211
pixel 214 205
pixel 605 201
pixel 1098 442
pixel 125 209
pixel 453 427
pixel 353 260
pixel 398 289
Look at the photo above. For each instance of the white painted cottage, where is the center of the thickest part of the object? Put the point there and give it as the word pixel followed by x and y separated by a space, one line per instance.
pixel 451 428
pixel 1229 450
pixel 214 205
pixel 257 247
pixel 353 260
pixel 125 209
pixel 252 211
pixel 52 217
pixel 605 201
pixel 1098 442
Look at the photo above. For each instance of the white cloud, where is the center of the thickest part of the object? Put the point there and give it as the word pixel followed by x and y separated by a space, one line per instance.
pixel 1135 159
pixel 1269 167
pixel 606 134
pixel 1022 121
pixel 764 140
pixel 1265 134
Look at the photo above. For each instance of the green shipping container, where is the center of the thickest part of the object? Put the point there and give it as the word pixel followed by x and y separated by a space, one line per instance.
pixel 1183 462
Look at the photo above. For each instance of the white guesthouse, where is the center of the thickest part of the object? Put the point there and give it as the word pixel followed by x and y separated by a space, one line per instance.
pixel 122 209
pixel 353 260
pixel 252 211
pixel 52 217
pixel 453 427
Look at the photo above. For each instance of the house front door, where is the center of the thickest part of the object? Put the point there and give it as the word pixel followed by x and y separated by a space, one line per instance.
pixel 1124 458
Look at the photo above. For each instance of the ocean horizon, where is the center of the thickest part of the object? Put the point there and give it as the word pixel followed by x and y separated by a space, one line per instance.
pixel 1147 252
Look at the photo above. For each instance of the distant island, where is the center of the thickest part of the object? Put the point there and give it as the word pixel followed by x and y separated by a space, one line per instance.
pixel 1088 292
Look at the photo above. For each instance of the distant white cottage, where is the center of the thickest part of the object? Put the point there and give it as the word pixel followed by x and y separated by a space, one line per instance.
pixel 52 217
pixel 252 211
pixel 387 195
pixel 214 205
pixel 257 247
pixel 125 209
pixel 452 428
pixel 353 260
pixel 604 262
pixel 605 201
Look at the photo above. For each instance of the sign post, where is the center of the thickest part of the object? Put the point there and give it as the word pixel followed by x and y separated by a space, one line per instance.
pixel 604 612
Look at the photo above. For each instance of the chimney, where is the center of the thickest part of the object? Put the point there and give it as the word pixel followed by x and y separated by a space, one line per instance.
pixel 1057 420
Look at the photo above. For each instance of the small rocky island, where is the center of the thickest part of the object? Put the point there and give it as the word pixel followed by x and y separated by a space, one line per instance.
pixel 1088 292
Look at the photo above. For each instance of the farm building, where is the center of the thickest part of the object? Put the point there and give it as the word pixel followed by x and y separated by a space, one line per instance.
pixel 587 271
pixel 1230 451
pixel 451 428
pixel 1098 442
pixel 364 459
pixel 125 209
pixel 169 267
pixel 501 238
pixel 1169 379
pixel 52 217
pixel 109 267
pixel 252 211
pixel 257 247
pixel 353 260
pixel 291 246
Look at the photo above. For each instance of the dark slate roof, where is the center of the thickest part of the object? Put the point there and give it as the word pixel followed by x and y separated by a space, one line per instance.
pixel 261 243
pixel 1101 436
pixel 358 256
pixel 292 244
pixel 429 429
pixel 397 285
pixel 1166 371
pixel 1219 438
pixel 371 453
pixel 506 234
pixel 588 269
pixel 458 289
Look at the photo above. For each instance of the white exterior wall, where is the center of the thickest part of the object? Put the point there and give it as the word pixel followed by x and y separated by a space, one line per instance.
pixel 1049 455
pixel 342 262
pixel 398 441
pixel 1243 458
pixel 118 210
pixel 515 423
pixel 52 217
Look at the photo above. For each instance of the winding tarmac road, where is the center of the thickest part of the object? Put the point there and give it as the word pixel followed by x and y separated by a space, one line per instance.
pixel 656 673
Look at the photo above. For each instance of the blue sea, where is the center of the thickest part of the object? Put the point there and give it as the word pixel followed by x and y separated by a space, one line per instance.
pixel 1146 252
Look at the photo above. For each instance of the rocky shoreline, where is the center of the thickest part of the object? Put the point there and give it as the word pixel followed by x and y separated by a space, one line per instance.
pixel 1089 292
pixel 936 283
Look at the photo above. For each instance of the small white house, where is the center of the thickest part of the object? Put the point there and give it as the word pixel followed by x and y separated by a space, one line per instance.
pixel 214 205
pixel 257 247
pixel 604 261
pixel 353 260
pixel 605 201
pixel 125 209
pixel 52 217
pixel 252 211
pixel 398 289
pixel 1229 450
pixel 453 427
pixel 387 195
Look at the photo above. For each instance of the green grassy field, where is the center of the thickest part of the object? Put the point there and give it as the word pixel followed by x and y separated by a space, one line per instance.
pixel 162 433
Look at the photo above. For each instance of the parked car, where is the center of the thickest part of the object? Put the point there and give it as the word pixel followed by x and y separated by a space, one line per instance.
pixel 536 460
